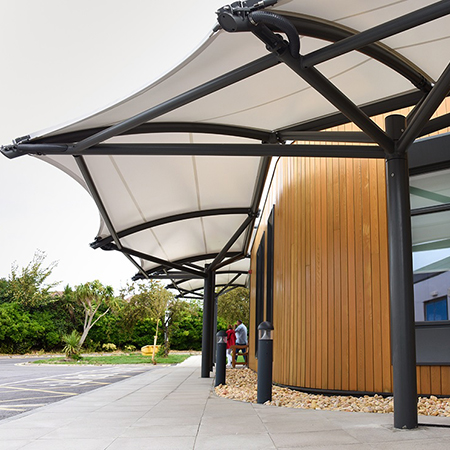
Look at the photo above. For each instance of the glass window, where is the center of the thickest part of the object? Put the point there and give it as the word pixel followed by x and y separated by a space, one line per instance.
pixel 436 309
pixel 431 245
pixel 430 189
pixel 270 256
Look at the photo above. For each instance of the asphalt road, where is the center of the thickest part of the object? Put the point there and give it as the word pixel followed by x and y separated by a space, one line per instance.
pixel 24 386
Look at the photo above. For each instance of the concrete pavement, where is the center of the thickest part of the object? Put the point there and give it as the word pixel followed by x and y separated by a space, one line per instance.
pixel 173 408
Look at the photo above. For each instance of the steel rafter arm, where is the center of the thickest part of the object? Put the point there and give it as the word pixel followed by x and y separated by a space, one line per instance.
pixel 230 283
pixel 196 93
pixel 425 110
pixel 220 272
pixel 231 288
pixel 219 258
pixel 383 31
pixel 162 262
pixel 232 260
pixel 185 263
pixel 184 277
pixel 436 124
pixel 217 286
pixel 186 291
pixel 327 89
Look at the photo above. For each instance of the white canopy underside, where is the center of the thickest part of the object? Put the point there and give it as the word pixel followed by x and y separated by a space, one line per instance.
pixel 141 189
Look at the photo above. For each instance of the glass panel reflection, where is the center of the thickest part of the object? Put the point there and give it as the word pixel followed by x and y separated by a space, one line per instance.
pixel 436 309
pixel 430 189
pixel 431 264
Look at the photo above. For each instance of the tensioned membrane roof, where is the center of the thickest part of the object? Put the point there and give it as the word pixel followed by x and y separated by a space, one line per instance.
pixel 170 167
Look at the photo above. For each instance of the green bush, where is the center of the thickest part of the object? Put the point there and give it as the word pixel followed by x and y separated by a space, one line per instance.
pixel 19 333
pixel 186 331
pixel 25 327
pixel 109 347
pixel 72 345
pixel 144 332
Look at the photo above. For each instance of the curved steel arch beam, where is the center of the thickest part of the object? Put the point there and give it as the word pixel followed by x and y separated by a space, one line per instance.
pixel 320 29
pixel 169 127
pixel 104 242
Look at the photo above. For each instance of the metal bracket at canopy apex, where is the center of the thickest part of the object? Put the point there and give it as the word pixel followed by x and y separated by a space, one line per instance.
pixel 246 16
pixel 235 14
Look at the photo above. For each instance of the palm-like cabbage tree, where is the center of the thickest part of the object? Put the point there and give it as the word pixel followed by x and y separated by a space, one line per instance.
pixel 92 296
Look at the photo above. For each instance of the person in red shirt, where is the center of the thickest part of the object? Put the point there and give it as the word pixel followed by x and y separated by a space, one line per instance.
pixel 231 340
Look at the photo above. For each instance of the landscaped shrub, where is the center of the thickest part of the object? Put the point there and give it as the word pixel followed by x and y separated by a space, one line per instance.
pixel 144 332
pixel 72 345
pixel 18 331
pixel 186 331
pixel 109 329
pixel 109 347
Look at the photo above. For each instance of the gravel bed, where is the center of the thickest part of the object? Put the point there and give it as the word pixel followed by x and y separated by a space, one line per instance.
pixel 241 385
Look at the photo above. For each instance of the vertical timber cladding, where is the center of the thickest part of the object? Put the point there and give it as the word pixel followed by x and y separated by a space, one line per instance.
pixel 331 301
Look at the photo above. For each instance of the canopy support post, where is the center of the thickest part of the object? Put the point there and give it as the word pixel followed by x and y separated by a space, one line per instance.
pixel 403 345
pixel 208 322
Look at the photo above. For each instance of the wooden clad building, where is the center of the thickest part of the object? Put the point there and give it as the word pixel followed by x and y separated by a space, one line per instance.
pixel 320 273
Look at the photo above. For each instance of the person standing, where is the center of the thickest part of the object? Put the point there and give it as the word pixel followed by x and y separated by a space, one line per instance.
pixel 231 340
pixel 241 337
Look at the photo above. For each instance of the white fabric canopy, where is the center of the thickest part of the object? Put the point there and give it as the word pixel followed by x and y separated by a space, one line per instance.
pixel 137 190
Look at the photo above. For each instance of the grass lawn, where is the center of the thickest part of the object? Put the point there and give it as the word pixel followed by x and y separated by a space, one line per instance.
pixel 115 359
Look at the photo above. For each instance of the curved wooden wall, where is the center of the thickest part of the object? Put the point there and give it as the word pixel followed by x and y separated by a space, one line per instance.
pixel 331 286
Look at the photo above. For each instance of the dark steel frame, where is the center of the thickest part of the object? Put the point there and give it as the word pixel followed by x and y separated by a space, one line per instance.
pixel 392 145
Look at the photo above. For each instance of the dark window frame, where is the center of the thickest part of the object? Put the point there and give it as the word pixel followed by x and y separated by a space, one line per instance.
pixel 270 265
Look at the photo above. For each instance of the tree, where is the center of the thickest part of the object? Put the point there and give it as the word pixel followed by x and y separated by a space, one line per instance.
pixel 234 305
pixel 149 300
pixel 3 290
pixel 186 325
pixel 28 285
pixel 18 331
pixel 94 298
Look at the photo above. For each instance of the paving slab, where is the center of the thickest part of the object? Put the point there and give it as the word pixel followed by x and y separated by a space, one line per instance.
pixel 174 408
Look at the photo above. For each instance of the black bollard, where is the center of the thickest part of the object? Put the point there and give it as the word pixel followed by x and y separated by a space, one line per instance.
pixel 265 358
pixel 221 357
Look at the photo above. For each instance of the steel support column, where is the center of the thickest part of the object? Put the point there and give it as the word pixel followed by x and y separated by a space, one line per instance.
pixel 208 322
pixel 401 281
pixel 214 329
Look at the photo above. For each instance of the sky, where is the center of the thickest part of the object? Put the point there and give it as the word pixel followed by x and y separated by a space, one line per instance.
pixel 63 60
